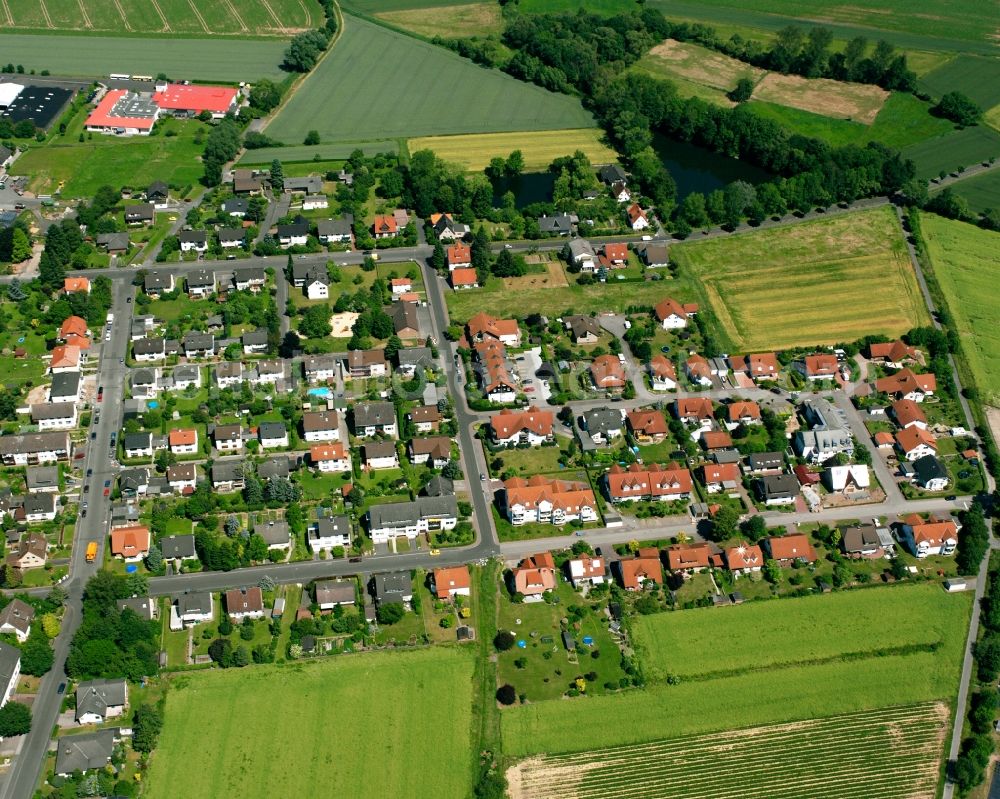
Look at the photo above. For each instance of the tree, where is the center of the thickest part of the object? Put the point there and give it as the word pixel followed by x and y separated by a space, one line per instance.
pixel 265 95
pixel 36 654
pixel 504 640
pixel 241 657
pixel 221 652
pixel 256 548
pixel 277 177
pixel 315 322
pixel 15 719
pixel 154 559
pixel 390 613
pixel 20 247
pixel 725 522
pixel 305 50
pixel 51 625
pixel 973 541
pixel 958 108
pixel 754 528
pixel 506 695
pixel 742 92
pixel 146 725
pixel 312 138
pixel 772 571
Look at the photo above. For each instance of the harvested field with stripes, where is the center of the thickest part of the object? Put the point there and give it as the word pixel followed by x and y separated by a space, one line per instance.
pixel 892 753
pixel 820 282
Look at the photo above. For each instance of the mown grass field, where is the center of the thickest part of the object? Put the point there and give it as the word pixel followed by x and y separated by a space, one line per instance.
pixel 287 730
pixel 891 753
pixel 181 17
pixel 761 635
pixel 450 21
pixel 976 77
pixel 556 297
pixel 966 264
pixel 820 282
pixel 376 6
pixel 982 191
pixel 539 148
pixel 326 152
pixel 80 168
pixel 229 60
pixel 955 149
pixel 359 94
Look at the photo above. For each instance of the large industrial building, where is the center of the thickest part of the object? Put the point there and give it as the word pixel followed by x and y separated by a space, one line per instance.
pixel 122 112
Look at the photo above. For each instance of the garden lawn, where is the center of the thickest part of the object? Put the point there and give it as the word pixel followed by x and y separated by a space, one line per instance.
pixel 358 94
pixel 534 460
pixel 966 264
pixel 229 60
pixel 819 282
pixel 317 711
pixel 539 148
pixel 761 635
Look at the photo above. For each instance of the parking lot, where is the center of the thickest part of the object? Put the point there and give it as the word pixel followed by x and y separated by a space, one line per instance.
pixel 527 364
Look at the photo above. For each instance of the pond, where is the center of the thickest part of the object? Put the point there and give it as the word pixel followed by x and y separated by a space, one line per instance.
pixel 695 169
pixel 531 187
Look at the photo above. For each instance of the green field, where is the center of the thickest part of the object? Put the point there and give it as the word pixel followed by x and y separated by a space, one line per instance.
pixel 966 263
pixel 358 94
pixel 373 725
pixel 806 284
pixel 163 17
pixel 960 148
pixel 949 25
pixel 326 152
pixel 96 56
pixel 374 6
pixel 80 168
pixel 982 191
pixel 703 642
pixel 977 78
pixel 854 755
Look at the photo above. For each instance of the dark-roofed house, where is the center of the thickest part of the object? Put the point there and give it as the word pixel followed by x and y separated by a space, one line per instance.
pixel 100 700
pixel 228 476
pixel 10 670
pixel 193 240
pixel 178 548
pixel 246 182
pixel 141 214
pixel 321 426
pixel 199 345
pixel 404 320
pixel 366 363
pixel 393 588
pixel 278 466
pixel 295 234
pixel 583 329
pixel 329 532
pixel 16 618
pixel 200 283
pixel 138 445
pixel 32 448
pixel 84 752
pixel 142 606
pixel 236 207
pixel 930 474
pixel 371 418
pixel 861 541
pixel 255 341
pixel 380 455
pixel 439 486
pixel 113 243
pixel 433 450
pixel 157 283
pixel 194 608
pixel 653 254
pixel 275 534
pixel 335 231
pixel 603 424
pixel 250 278
pixel 245 603
pixel 777 489
pixel 273 435
pixel 330 593
pixel 408 359
pixel 42 479
pixel 410 519
pixel 146 350
pixel 228 437
pixel 560 225
pixel 231 237
pixel 766 462
pixel 133 482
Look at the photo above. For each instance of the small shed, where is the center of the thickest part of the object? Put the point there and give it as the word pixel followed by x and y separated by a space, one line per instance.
pixel 568 641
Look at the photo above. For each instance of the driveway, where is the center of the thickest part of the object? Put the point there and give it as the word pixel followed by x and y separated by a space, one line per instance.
pixel 527 364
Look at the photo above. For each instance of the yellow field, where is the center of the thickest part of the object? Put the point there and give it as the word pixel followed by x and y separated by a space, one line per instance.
pixel 539 148
pixel 992 117
pixel 830 98
pixel 820 282
pixel 477 19
pixel 699 65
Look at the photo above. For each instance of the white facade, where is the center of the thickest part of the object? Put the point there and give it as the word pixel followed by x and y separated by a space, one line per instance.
pixel 317 290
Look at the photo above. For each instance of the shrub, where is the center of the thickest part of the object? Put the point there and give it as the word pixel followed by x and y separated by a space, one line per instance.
pixel 506 695
pixel 504 640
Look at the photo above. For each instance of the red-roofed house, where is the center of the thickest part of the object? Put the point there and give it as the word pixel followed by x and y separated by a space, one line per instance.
pixel 534 576
pixel 182 99
pixel 671 314
pixel 695 410
pixel 787 549
pixel 450 582
pixel 744 558
pixel 653 482
pixel 401 285
pixel 330 457
pixel 634 572
pixel 742 412
pixel 712 440
pixel 464 278
pixel 647 425
pixel 483 327
pixel 385 226
pixel 607 372
pixel 689 557
pixel 547 501
pixel 908 414
pixel 698 370
pixel 73 326
pixel 884 440
pixel 130 543
pixel 531 426
pixel 614 256
pixel 637 218
pixel 933 537
pixel 183 441
pixel 719 477
pixel 662 373
pixel 459 256
pixel 586 570
pixel 905 384
pixel 760 366
pixel 65 359
pixel 819 367
pixel 895 354
pixel 916 442
pixel 76 285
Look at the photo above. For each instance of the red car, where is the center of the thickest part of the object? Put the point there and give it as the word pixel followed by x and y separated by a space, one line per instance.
pixel 107 491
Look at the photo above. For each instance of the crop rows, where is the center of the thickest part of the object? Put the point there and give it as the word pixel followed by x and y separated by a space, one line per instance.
pixel 892 753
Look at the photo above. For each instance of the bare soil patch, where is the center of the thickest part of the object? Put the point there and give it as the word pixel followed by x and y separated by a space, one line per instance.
pixel 554 277
pixel 854 101
pixel 342 323
pixel 477 19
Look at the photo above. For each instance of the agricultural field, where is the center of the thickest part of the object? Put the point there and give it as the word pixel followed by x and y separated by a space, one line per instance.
pixel 78 169
pixel 326 152
pixel 357 94
pixel 959 148
pixel 539 148
pixel 553 293
pixel 852 755
pixel 450 21
pixel 805 284
pixel 853 101
pixel 701 642
pixel 326 706
pixel 981 191
pixel 697 64
pixel 976 77
pixel 378 6
pixel 281 18
pixel 227 60
pixel 966 264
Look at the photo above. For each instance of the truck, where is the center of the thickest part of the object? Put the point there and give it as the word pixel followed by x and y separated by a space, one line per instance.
pixel 91 552
pixel 111 318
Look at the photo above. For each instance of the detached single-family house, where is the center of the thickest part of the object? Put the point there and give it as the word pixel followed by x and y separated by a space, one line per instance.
pixel 193 240
pixel 273 435
pixel 930 474
pixel 293 235
pixel 483 327
pixel 777 489
pixel 254 341
pixel 916 442
pixel 228 476
pixel 366 363
pixel 743 558
pixel 607 373
pixel 380 455
pixel 138 445
pixel 182 477
pixel 328 532
pixel 648 426
pixel 531 426
pixel 906 384
pixel 16 619
pixel 534 576
pixel 932 537
pixel 321 426
pixel 433 450
pixel 85 752
pixel 54 415
pixel 690 557
pixel 140 214
pixel 231 237
pixel 373 418
pixel 384 226
pixel 698 370
pixel 393 588
pixel 582 329
pixel 851 480
pixel 459 256
pixel 158 282
pixel 147 350
pixel 662 373
pixel 131 544
pixel 31 552
pixel 637 218
pixel 603 424
pixel 586 570
pixel 789 549
pixel 823 366
pixel 425 418
pixel 100 700
pixel 446 228
pixel 276 535
pixel 183 441
pixel 331 593
pixel 559 225
pixel 894 354
pixel 39 508
pixel 335 231
pixel 198 345
pixel 644 567
pixel 673 315
pixel 721 478
pixel 195 608
pixel 178 548
pixel 245 603
pixel 235 207
pixel 330 457
pixel 450 582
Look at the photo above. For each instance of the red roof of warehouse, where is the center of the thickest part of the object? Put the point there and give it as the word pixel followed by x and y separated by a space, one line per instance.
pixel 178 97
pixel 101 115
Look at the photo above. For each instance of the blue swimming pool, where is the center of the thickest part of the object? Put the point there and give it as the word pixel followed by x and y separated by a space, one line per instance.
pixel 320 392
pixel 152 404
